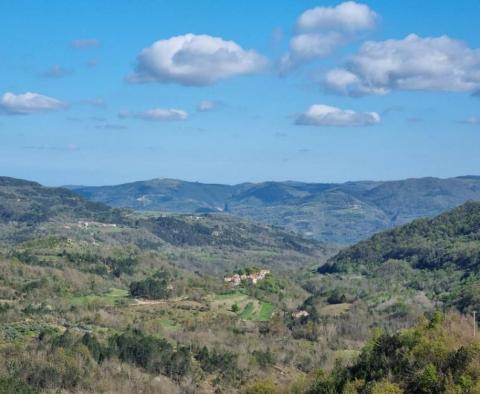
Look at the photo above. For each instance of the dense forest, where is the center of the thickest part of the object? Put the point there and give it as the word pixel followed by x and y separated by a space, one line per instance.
pixel 450 240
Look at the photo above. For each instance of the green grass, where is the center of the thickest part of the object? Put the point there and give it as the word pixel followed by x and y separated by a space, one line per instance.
pixel 255 311
pixel 265 313
pixel 227 296
pixel 168 324
pixel 248 312
pixel 117 293
pixel 110 298
pixel 335 309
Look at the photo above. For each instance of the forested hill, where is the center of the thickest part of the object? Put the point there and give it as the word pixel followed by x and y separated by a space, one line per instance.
pixel 450 240
pixel 339 213
pixel 29 210
pixel 30 203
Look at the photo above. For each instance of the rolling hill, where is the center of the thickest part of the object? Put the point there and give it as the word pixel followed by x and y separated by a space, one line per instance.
pixel 336 213
pixel 89 290
pixel 30 211
pixel 438 257
pixel 450 240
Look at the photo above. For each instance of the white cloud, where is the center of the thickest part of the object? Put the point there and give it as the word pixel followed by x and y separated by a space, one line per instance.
pixel 307 46
pixel 195 60
pixel 321 30
pixel 325 115
pixel 347 16
pixel 27 103
pixel 157 114
pixel 412 63
pixel 85 43
pixel 208 105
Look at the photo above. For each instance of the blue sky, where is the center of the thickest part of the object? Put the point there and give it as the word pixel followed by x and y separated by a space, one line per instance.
pixel 315 91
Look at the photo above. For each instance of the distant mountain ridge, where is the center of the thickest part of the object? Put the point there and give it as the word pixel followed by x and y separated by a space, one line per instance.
pixel 29 210
pixel 337 213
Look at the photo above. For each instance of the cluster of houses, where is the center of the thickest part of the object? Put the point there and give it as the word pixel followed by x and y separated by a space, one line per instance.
pixel 253 277
pixel 85 224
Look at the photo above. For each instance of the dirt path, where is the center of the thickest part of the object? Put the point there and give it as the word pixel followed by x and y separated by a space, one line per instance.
pixel 142 301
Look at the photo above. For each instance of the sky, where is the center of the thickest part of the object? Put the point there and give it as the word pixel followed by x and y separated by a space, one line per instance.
pixel 107 92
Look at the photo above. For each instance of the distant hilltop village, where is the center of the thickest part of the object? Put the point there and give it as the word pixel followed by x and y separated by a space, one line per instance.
pixel 86 224
pixel 253 277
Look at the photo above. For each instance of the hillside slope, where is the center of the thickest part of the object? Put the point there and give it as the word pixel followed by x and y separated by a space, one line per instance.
pixel 338 213
pixel 218 242
pixel 435 258
pixel 448 240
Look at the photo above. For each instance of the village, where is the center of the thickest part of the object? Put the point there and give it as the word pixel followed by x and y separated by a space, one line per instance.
pixel 253 277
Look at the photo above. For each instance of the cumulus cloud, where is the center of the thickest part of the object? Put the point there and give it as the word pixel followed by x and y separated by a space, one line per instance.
pixel 347 16
pixel 325 115
pixel 157 114
pixel 28 103
pixel 85 43
pixel 195 60
pixel 412 63
pixel 320 30
pixel 56 72
pixel 208 105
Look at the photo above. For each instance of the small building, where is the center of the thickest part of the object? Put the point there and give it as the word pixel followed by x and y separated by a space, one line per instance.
pixel 299 314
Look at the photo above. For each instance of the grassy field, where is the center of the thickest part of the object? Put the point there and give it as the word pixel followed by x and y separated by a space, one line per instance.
pixel 110 299
pixel 249 308
pixel 169 324
pixel 266 311
pixel 248 312
pixel 335 309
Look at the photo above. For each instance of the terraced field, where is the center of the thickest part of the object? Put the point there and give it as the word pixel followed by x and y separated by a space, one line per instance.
pixel 248 308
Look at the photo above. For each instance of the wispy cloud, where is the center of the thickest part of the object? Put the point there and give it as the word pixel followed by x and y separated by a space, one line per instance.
pixel 325 115
pixel 67 148
pixel 28 103
pixel 91 63
pixel 415 119
pixel 96 102
pixel 157 114
pixel 56 72
pixel 208 105
pixel 85 43
pixel 472 120
pixel 111 126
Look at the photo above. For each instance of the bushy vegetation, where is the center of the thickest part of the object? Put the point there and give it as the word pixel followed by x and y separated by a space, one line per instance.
pixel 156 287
pixel 334 213
pixel 141 306
pixel 449 240
pixel 439 355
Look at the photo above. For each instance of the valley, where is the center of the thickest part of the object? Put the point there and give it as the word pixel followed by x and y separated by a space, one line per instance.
pixel 209 302
pixel 338 214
